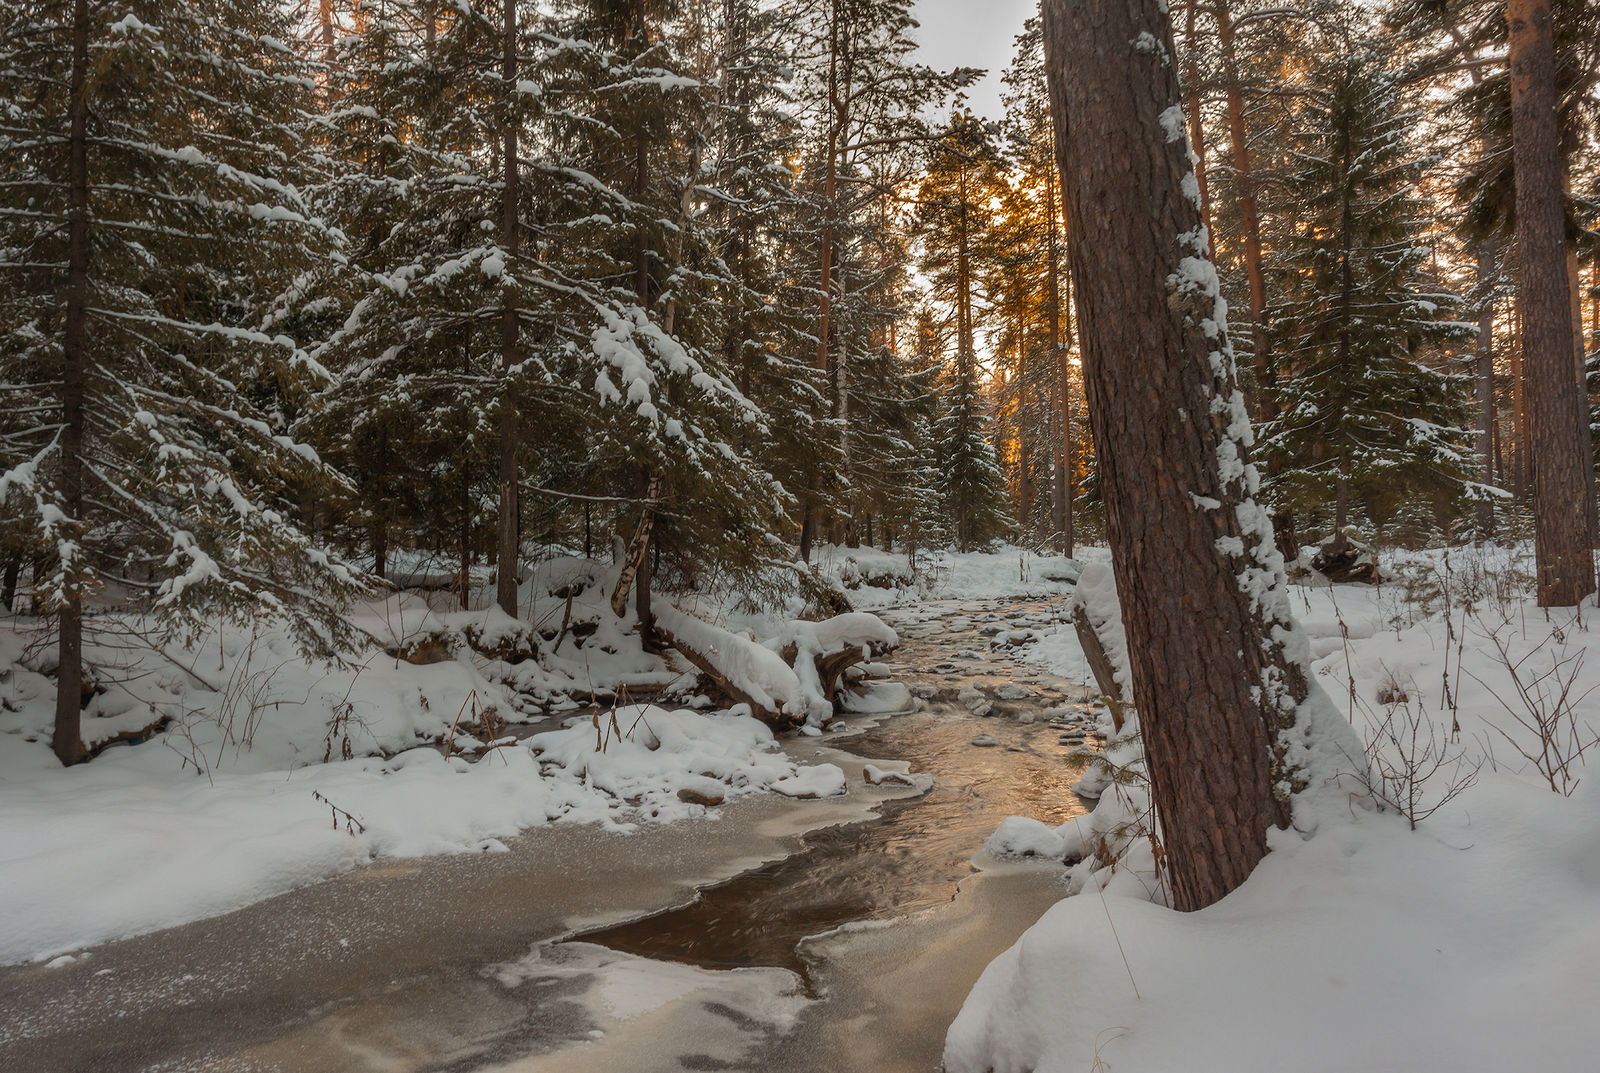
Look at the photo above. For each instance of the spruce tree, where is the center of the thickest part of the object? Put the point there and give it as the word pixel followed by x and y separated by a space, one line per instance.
pixel 1361 412
pixel 150 215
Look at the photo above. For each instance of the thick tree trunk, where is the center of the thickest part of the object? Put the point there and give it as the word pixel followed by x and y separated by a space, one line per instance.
pixel 1199 648
pixel 1486 273
pixel 67 739
pixel 1560 451
pixel 507 538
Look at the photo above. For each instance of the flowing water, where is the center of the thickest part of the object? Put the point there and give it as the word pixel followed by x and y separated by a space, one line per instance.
pixel 906 860
pixel 848 949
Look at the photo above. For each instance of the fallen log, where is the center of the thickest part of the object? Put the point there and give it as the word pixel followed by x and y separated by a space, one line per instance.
pixel 796 678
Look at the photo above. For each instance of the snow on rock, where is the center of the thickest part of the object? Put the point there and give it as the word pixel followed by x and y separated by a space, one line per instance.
pixel 643 755
pixel 818 780
pixel 877 698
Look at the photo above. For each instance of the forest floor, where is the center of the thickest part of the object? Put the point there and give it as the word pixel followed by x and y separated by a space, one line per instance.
pixel 1466 941
pixel 460 962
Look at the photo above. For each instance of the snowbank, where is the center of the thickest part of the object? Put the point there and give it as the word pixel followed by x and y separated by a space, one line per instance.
pixel 233 801
pixel 1457 945
pixel 875 579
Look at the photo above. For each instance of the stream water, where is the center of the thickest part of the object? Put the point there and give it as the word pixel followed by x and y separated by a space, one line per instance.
pixel 838 935
pixel 886 923
pixel 906 860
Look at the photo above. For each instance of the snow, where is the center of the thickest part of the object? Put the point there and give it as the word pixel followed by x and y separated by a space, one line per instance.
pixel 1462 944
pixel 234 802
pixel 875 579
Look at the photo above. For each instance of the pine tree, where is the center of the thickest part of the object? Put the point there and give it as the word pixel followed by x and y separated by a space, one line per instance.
pixel 1029 291
pixel 1360 412
pixel 150 217
pixel 955 211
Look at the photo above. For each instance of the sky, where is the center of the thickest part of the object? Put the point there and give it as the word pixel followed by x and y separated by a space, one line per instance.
pixel 973 33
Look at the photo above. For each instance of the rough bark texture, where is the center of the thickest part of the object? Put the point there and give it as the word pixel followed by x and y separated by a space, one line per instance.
pixel 1486 410
pixel 1559 449
pixel 638 548
pixel 1197 646
pixel 1249 219
pixel 507 536
pixel 67 741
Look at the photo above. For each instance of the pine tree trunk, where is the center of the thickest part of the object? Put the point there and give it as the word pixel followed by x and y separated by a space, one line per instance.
pixel 1249 219
pixel 1522 473
pixel 325 21
pixel 1054 285
pixel 507 537
pixel 1197 127
pixel 1486 410
pixel 1559 445
pixel 67 739
pixel 836 114
pixel 1198 647
pixel 1582 374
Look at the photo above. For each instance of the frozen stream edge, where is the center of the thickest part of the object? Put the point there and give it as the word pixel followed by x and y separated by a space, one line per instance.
pixel 406 965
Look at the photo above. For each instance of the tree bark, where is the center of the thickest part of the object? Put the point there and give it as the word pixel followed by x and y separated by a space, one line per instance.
pixel 1486 409
pixel 639 548
pixel 1249 218
pixel 1559 447
pixel 67 739
pixel 837 111
pixel 1197 128
pixel 1582 373
pixel 507 536
pixel 1155 359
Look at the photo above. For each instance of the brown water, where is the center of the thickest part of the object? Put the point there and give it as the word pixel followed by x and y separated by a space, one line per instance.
pixel 908 859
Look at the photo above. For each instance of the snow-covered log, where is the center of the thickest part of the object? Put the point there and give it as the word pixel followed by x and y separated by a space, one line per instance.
pixel 1097 617
pixel 792 679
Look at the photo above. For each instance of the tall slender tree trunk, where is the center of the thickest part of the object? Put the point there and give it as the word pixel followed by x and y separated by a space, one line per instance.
pixel 1521 467
pixel 508 537
pixel 1197 129
pixel 1486 410
pixel 1059 354
pixel 638 553
pixel 325 24
pixel 1200 647
pixel 1249 218
pixel 1560 448
pixel 1582 374
pixel 67 739
pixel 8 585
pixel 830 177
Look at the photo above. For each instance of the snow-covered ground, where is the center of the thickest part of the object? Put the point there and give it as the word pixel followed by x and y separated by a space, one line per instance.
pixel 275 771
pixel 1469 943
